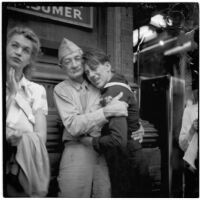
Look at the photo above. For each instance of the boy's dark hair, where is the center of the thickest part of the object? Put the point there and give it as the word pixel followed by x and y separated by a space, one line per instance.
pixel 93 57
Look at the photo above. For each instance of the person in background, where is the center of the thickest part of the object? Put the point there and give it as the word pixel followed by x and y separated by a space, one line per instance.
pixel 128 168
pixel 188 142
pixel 27 166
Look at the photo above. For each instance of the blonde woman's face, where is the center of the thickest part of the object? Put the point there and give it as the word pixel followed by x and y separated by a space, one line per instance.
pixel 18 52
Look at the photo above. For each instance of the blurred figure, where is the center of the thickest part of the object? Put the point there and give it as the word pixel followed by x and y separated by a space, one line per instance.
pixel 188 141
pixel 27 166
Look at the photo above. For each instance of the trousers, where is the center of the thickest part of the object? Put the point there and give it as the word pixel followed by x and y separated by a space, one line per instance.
pixel 83 173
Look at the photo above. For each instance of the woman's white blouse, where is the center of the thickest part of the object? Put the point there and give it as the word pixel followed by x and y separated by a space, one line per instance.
pixel 30 97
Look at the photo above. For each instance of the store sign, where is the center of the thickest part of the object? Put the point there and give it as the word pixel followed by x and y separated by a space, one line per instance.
pixel 81 16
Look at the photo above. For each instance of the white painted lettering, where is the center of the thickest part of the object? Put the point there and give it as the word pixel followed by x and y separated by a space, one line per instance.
pixel 35 7
pixel 68 12
pixel 77 14
pixel 57 10
pixel 46 9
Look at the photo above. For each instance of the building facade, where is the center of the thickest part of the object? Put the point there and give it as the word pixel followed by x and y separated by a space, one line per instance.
pixel 107 28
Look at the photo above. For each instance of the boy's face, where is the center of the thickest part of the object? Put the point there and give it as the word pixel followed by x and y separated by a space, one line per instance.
pixel 18 52
pixel 99 74
pixel 72 64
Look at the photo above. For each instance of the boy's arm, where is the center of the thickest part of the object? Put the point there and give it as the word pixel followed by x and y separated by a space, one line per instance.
pixel 117 126
pixel 117 136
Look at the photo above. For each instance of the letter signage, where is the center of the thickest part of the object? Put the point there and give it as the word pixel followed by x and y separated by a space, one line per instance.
pixel 81 16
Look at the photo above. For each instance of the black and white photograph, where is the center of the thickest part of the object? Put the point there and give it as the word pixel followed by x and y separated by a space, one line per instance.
pixel 102 99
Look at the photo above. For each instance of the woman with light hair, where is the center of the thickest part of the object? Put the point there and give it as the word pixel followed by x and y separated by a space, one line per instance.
pixel 27 165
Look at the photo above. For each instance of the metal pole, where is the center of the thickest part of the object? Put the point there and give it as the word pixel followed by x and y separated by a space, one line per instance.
pixel 138 70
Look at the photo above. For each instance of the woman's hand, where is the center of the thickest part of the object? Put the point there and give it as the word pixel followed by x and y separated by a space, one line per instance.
pixel 12 83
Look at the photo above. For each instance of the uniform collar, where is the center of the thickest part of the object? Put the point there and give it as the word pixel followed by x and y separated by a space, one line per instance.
pixel 118 78
pixel 115 78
